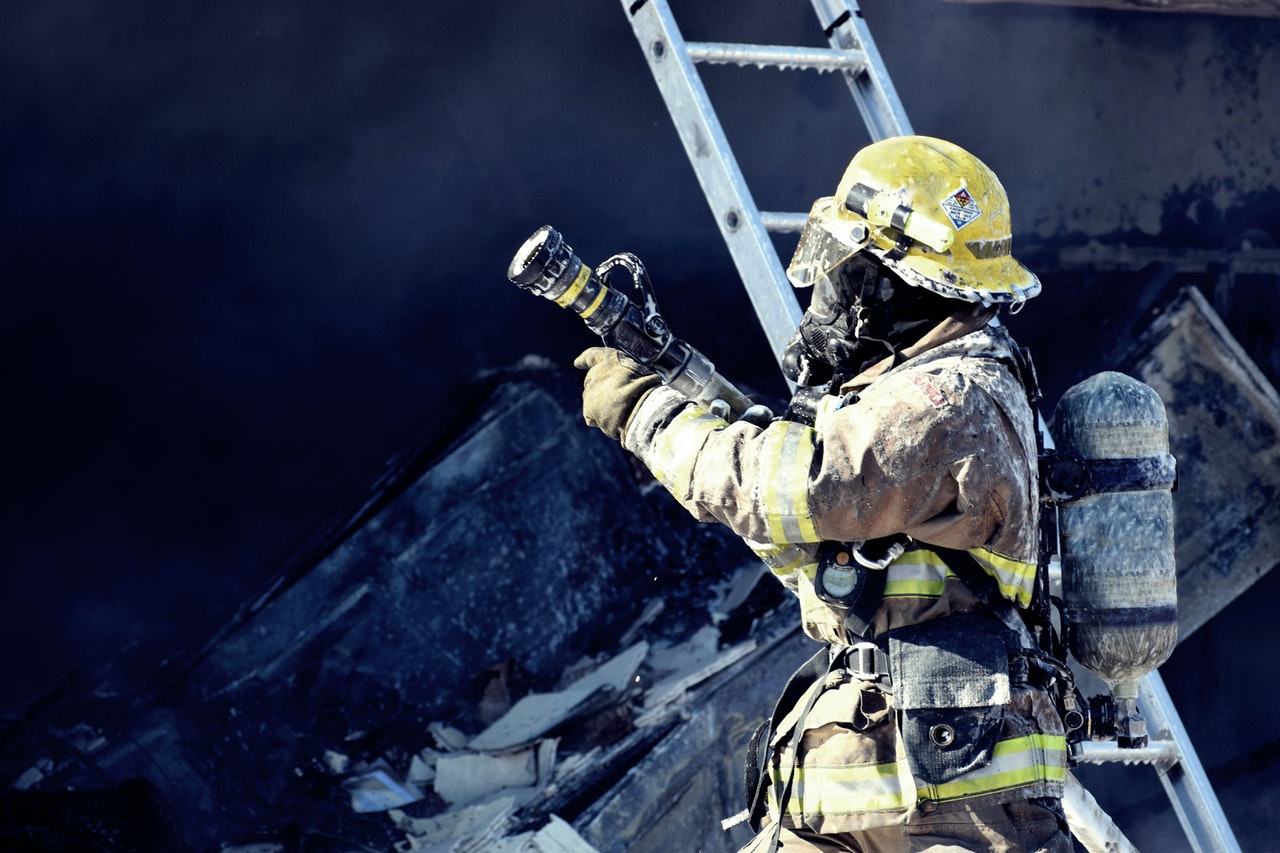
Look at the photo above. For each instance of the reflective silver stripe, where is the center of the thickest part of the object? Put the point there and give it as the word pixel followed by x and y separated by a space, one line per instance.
pixel 1016 579
pixel 785 559
pixel 853 789
pixel 919 573
pixel 784 485
pixel 1015 763
pixel 676 449
pixel 985 250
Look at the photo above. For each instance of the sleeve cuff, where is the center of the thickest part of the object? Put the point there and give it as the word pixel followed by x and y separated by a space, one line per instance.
pixel 654 412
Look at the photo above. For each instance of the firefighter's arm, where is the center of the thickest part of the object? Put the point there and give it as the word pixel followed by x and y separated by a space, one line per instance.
pixel 853 477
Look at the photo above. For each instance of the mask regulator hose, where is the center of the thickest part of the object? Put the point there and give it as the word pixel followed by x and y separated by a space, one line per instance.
pixel 545 265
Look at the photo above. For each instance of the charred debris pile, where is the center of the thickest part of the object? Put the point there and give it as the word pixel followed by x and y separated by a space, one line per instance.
pixel 483 648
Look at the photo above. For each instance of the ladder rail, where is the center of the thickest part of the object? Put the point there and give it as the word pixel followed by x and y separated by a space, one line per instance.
pixel 1185 782
pixel 718 172
pixel 873 92
pixel 1178 767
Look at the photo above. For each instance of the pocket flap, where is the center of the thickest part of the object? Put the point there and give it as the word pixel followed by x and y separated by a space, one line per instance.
pixel 952 662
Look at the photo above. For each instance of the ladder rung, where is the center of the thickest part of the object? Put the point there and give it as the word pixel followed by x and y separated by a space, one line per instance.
pixel 1162 753
pixel 784 223
pixel 776 56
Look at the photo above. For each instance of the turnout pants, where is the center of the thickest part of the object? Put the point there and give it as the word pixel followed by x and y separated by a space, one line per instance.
pixel 1023 826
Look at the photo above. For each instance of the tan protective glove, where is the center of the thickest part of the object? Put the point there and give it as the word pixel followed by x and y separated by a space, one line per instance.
pixel 613 387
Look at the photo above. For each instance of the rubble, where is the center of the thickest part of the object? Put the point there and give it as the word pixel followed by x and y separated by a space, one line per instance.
pixel 457 829
pixel 462 778
pixel 538 713
pixel 378 788
pixel 511 773
pixel 558 837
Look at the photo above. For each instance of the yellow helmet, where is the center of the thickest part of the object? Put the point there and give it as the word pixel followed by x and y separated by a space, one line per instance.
pixel 930 211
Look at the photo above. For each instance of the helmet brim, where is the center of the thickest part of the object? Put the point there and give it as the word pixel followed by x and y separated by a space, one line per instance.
pixel 1002 280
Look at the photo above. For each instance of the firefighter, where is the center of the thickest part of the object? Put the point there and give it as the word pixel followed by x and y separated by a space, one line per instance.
pixel 898 501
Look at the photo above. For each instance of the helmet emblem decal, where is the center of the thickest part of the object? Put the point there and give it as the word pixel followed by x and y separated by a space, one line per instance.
pixel 961 208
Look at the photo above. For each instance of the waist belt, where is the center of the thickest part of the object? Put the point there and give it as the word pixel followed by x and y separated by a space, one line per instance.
pixel 864 661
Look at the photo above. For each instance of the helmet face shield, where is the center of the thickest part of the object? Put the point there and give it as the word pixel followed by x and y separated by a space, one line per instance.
pixel 827 242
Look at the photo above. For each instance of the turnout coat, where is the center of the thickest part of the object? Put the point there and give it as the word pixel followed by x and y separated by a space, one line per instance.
pixel 937 444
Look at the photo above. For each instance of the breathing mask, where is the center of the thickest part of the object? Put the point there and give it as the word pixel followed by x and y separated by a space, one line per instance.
pixel 860 310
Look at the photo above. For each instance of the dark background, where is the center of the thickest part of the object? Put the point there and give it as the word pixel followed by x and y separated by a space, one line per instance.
pixel 250 250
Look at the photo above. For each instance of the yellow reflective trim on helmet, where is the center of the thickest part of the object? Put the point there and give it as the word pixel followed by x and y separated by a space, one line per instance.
pixel 787 459
pixel 586 313
pixel 571 293
pixel 1015 578
pixel 676 448
pixel 1015 763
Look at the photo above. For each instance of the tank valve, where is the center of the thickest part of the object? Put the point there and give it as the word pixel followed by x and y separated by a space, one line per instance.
pixel 1107 718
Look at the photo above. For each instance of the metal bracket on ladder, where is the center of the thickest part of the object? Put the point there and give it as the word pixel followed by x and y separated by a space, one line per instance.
pixel 1171 753
pixel 745 230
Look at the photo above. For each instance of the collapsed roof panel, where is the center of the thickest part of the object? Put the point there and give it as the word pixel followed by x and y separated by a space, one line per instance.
pixel 1224 430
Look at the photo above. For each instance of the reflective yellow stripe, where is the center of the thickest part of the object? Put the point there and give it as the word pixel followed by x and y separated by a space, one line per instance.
pixel 676 448
pixel 1015 578
pixel 914 589
pixel 788 456
pixel 595 303
pixel 919 573
pixel 842 790
pixel 1015 763
pixel 574 289
pixel 785 559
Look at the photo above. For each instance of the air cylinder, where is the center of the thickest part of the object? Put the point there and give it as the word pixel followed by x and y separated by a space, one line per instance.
pixel 1119 580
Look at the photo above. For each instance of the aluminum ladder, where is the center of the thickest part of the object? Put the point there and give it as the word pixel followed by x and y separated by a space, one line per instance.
pixel 745 229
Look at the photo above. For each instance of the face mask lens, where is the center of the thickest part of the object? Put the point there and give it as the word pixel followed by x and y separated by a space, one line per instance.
pixel 884 288
pixel 826 303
